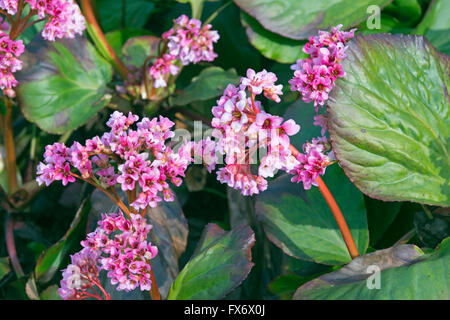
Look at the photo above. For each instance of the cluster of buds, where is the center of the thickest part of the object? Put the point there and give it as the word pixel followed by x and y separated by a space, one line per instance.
pixel 315 77
pixel 135 159
pixel 185 43
pixel 64 20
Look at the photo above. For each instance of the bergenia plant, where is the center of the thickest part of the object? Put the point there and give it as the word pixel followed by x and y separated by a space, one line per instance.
pixel 255 153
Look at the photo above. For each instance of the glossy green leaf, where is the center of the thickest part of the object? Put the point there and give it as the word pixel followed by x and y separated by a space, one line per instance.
pixel 50 293
pixel 121 14
pixel 436 25
pixel 50 260
pixel 220 265
pixel 301 223
pixel 4 267
pixel 389 119
pixel 408 11
pixel 137 49
pixel 118 38
pixel 210 83
pixel 299 19
pixel 271 45
pixel 406 274
pixel 62 84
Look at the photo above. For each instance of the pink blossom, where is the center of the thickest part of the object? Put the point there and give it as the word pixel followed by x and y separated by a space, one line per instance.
pixel 120 247
pixel 242 128
pixel 80 276
pixel 312 162
pixel 315 77
pixel 160 70
pixel 133 159
pixel 189 42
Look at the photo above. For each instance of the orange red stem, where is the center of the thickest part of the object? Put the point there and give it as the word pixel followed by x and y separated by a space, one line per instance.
pixel 338 216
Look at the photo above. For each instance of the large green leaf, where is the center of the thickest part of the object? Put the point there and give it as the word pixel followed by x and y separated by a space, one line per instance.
pixel 121 14
pixel 436 25
pixel 51 259
pixel 222 261
pixel 299 19
pixel 62 84
pixel 137 49
pixel 405 274
pixel 208 84
pixel 389 119
pixel 301 223
pixel 118 38
pixel 271 45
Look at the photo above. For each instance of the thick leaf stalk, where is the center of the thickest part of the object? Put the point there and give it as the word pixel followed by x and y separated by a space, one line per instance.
pixel 338 216
pixel 100 40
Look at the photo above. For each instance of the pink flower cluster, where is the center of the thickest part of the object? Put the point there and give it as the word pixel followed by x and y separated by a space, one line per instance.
pixel 80 276
pixel 64 16
pixel 123 251
pixel 186 42
pixel 312 162
pixel 64 21
pixel 142 159
pixel 242 129
pixel 190 42
pixel 315 77
pixel 10 50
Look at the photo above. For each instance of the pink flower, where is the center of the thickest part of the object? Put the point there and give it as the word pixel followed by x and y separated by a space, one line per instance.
pixel 80 276
pixel 160 70
pixel 262 81
pixel 130 158
pixel 242 129
pixel 312 163
pixel 189 42
pixel 315 77
pixel 121 248
pixel 64 21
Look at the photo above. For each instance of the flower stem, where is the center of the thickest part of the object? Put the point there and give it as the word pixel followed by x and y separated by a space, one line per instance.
pixel 11 246
pixel 154 291
pixel 100 40
pixel 340 220
pixel 10 149
pixel 114 198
